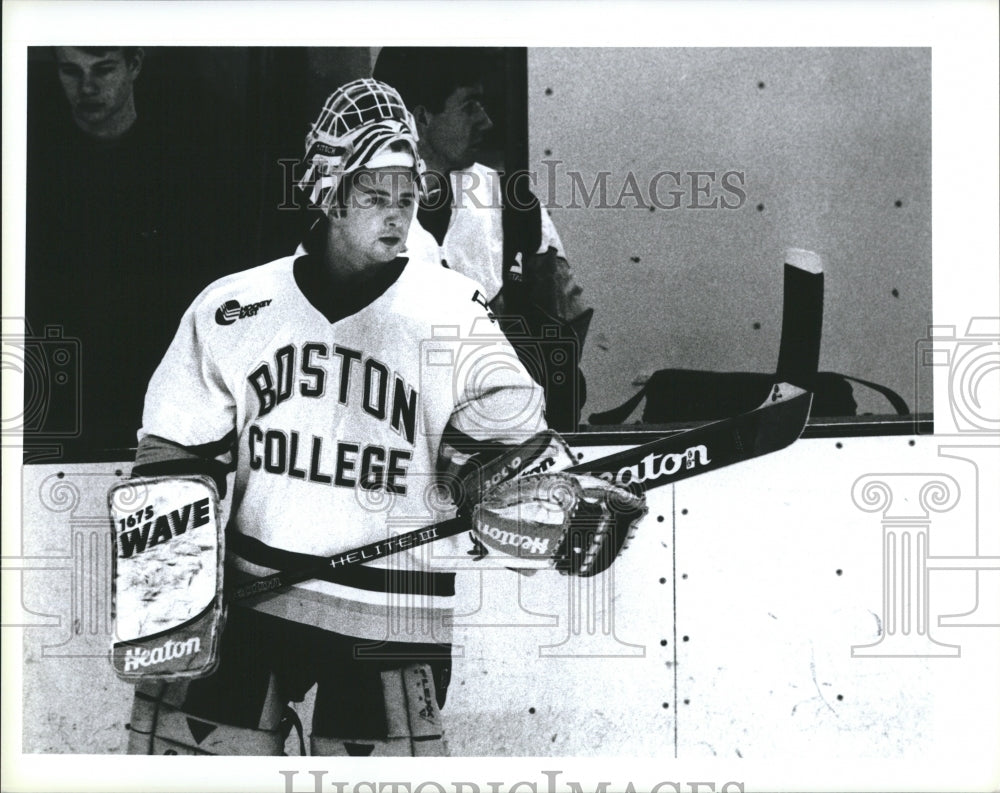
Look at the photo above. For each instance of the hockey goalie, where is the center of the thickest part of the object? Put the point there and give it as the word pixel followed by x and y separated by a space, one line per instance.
pixel 325 411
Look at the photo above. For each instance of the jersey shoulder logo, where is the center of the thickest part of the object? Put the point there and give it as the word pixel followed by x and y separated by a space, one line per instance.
pixel 227 313
pixel 231 310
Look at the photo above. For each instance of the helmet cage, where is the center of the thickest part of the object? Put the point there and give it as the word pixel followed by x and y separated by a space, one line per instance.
pixel 358 121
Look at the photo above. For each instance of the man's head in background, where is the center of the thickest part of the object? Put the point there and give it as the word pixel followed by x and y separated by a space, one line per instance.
pixel 443 88
pixel 98 83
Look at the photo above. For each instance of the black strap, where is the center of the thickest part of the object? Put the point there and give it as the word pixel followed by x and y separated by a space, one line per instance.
pixel 521 220
pixel 434 214
pixel 619 414
pixel 897 402
pixel 202 461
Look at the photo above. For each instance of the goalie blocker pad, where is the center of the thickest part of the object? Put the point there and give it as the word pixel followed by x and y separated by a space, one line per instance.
pixel 167 579
pixel 545 452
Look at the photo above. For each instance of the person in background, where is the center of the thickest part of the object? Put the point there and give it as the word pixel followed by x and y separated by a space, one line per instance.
pixel 510 246
pixel 122 232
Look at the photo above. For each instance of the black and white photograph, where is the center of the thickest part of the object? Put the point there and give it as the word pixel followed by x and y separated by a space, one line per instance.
pixel 501 397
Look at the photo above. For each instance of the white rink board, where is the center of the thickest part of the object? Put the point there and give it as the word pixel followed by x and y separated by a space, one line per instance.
pixel 746 559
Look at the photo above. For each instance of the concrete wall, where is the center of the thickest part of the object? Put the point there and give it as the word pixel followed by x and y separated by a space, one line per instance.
pixel 835 147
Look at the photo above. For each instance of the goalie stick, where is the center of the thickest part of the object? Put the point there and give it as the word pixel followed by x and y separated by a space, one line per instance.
pixel 774 425
pixel 164 638
pixel 176 650
pixel 187 643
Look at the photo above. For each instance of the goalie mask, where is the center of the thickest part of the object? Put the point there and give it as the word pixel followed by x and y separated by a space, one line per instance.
pixel 364 124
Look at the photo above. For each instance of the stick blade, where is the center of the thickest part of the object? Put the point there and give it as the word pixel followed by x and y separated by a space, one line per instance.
pixel 775 424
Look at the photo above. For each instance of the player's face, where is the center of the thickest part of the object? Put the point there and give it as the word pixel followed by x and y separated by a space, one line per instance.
pixel 99 88
pixel 450 139
pixel 373 230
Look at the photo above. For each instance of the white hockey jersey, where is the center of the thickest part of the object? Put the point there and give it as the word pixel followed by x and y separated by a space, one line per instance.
pixel 473 244
pixel 338 429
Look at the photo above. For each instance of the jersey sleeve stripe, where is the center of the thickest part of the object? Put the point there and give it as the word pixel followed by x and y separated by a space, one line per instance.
pixel 158 456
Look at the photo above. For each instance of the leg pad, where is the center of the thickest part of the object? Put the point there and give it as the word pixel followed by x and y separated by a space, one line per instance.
pixel 413 721
pixel 158 727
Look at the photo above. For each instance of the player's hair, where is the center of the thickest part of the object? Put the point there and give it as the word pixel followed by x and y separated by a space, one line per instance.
pixel 427 76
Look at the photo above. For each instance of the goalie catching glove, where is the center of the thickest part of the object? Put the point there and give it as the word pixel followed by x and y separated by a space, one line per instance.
pixel 574 522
